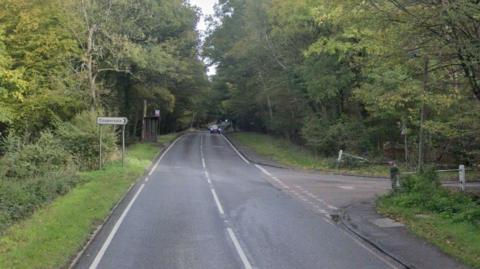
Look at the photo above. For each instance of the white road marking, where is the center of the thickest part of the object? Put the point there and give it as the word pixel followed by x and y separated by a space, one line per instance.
pixel 313 196
pixel 207 175
pixel 347 187
pixel 147 179
pixel 204 165
pixel 114 230
pixel 236 243
pixel 163 154
pixel 234 239
pixel 217 202
pixel 201 146
pixel 332 207
pixel 328 221
pixel 241 253
pixel 109 239
pixel 322 211
pixel 236 151
pixel 264 170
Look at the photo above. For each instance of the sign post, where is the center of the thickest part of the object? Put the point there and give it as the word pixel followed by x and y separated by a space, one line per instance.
pixel 112 121
pixel 461 176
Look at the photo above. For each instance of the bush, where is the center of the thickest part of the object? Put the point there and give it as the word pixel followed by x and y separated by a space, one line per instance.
pixel 32 173
pixel 81 138
pixel 423 193
pixel 43 158
pixel 19 199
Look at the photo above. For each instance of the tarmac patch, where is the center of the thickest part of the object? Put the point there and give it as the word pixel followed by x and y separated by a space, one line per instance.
pixel 387 223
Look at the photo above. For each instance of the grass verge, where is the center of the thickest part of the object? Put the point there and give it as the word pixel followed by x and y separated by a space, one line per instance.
pixel 56 232
pixel 450 220
pixel 289 154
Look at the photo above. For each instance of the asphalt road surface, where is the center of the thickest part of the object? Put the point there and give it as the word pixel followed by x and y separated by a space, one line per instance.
pixel 204 206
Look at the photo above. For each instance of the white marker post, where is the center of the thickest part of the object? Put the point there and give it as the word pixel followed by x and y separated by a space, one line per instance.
pixel 340 155
pixel 112 121
pixel 461 176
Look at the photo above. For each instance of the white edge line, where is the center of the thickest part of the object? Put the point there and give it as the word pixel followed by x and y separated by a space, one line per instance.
pixel 236 151
pixel 264 170
pixel 239 249
pixel 217 202
pixel 332 207
pixel 107 242
pixel 201 146
pixel 163 154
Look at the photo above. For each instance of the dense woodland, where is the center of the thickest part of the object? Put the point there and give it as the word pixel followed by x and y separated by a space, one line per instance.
pixel 392 79
pixel 366 76
pixel 377 78
pixel 59 58
pixel 65 62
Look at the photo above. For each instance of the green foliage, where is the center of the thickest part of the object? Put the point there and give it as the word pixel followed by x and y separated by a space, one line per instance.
pixel 32 173
pixel 292 155
pixel 139 50
pixel 450 220
pixel 45 157
pixel 20 199
pixel 329 137
pixel 344 74
pixel 423 193
pixel 80 137
pixel 52 236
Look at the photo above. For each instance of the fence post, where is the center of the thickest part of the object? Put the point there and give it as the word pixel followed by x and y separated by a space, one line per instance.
pixel 340 154
pixel 461 176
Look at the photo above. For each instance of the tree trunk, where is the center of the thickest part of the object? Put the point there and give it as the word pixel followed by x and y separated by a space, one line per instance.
pixel 90 68
pixel 270 111
pixel 422 114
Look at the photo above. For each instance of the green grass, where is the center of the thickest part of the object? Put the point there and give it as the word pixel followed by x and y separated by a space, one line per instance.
pixel 459 239
pixel 289 154
pixel 56 232
pixel 453 176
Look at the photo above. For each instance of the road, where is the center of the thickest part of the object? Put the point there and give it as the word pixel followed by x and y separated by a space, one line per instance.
pixel 204 206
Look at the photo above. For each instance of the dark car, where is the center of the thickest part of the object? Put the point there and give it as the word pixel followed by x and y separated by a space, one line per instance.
pixel 214 129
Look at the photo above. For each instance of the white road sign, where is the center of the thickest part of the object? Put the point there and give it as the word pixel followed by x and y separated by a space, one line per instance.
pixel 112 121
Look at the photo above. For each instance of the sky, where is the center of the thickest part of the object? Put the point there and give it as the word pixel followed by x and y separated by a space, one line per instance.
pixel 207 9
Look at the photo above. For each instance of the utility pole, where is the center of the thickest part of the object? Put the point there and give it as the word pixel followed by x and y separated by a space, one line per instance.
pixel 422 114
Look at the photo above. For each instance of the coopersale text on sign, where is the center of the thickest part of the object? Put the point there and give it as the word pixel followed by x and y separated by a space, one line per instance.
pixel 112 121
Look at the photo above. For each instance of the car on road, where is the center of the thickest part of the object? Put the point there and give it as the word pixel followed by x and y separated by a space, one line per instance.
pixel 214 129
